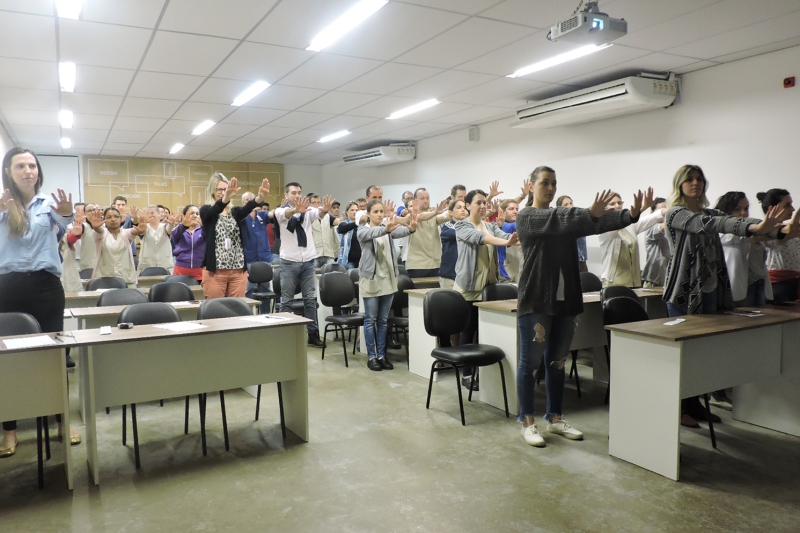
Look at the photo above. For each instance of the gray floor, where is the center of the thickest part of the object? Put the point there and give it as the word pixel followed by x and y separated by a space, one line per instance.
pixel 379 461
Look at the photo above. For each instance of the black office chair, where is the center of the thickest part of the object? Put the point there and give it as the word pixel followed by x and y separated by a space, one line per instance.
pixel 613 291
pixel 295 305
pixel 170 291
pixel 25 324
pixel 336 290
pixel 182 278
pixel 86 273
pixel 154 271
pixel 499 291
pixel 142 314
pixel 590 282
pixel 260 272
pixel 399 322
pixel 106 283
pixel 333 267
pixel 401 270
pixel 445 313
pixel 121 297
pixel 355 276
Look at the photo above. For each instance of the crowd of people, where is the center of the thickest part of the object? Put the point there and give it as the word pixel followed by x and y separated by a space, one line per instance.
pixel 705 259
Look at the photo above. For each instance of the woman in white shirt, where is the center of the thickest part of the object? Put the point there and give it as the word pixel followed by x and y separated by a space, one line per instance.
pixel 113 244
pixel 621 247
pixel 156 247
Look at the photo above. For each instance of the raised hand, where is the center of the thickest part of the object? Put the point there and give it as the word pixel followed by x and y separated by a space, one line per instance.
pixel 501 217
pixel 527 186
pixel 389 207
pixel 63 204
pixel 513 239
pixel 648 200
pixel 96 218
pixel 301 206
pixel 391 221
pixel 792 229
pixel 174 218
pixel 231 191
pixel 412 222
pixel 263 191
pixel 601 201
pixel 442 207
pixel 327 204
pixel 135 215
pixel 772 220
pixel 494 189
pixel 188 219
pixel 636 208
pixel 5 200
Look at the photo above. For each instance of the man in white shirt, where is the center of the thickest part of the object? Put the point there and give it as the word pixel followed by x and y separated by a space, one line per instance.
pixel 298 253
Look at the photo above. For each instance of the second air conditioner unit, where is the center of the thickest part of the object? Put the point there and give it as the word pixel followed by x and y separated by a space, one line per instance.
pixel 620 97
pixel 382 155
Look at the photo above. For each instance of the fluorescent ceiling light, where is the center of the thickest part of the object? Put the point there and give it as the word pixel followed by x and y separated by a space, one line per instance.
pixel 559 59
pixel 351 18
pixel 203 127
pixel 250 93
pixel 65 118
pixel 414 108
pixel 333 136
pixel 67 72
pixel 66 142
pixel 69 9
pixel 177 147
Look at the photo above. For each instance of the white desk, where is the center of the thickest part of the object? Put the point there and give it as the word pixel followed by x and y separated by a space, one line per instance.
pixel 148 363
pixel 89 298
pixel 33 383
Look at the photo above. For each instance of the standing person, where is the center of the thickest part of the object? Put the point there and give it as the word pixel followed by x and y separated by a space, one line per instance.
pixel 583 252
pixel 298 253
pixel 656 245
pixel 254 237
pixel 325 229
pixel 476 266
pixel 550 293
pixel 270 228
pixel 509 260
pixel 697 279
pixel 189 244
pixel 373 192
pixel 407 195
pixel 83 235
pixel 156 246
pixel 783 256
pixel 447 268
pixel 621 247
pixel 113 245
pixel 424 245
pixel 30 269
pixel 458 192
pixel 69 246
pixel 350 249
pixel 378 278
pixel 223 265
pixel 128 221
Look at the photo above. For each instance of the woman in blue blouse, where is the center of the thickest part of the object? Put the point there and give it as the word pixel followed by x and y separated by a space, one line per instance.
pixel 30 269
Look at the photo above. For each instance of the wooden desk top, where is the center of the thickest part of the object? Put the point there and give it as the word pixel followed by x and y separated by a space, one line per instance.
pixel 420 292
pixel 508 306
pixel 155 279
pixel 196 289
pixel 704 325
pixel 114 310
pixel 62 341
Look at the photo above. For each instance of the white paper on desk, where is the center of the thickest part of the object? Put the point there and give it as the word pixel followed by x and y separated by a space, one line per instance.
pixel 264 319
pixel 749 314
pixel 29 342
pixel 67 313
pixel 101 291
pixel 181 304
pixel 675 322
pixel 181 326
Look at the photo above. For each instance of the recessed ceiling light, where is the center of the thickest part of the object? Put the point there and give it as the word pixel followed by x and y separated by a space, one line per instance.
pixel 250 93
pixel 66 142
pixel 177 147
pixel 349 20
pixel 414 108
pixel 559 59
pixel 333 136
pixel 65 118
pixel 67 72
pixel 203 127
pixel 69 9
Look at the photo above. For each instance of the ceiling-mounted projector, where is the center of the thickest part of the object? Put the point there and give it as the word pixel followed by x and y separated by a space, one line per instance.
pixel 589 26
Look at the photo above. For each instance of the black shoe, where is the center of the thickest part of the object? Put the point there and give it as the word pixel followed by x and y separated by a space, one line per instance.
pixel 70 362
pixel 373 364
pixel 314 340
pixel 385 364
pixel 470 383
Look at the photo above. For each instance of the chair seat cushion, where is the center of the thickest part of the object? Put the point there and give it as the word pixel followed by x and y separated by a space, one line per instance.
pixel 265 295
pixel 399 321
pixel 353 319
pixel 470 354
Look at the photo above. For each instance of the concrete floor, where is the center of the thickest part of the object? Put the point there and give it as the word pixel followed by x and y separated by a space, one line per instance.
pixel 379 461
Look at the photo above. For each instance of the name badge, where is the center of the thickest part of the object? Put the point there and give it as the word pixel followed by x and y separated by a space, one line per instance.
pixel 228 243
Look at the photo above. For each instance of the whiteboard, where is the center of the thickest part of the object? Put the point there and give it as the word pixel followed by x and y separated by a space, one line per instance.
pixel 61 172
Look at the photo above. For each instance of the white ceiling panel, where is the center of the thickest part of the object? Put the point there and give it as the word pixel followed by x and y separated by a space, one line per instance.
pixel 15 98
pixel 164 86
pixel 182 127
pixel 308 135
pixel 119 153
pixel 337 102
pixel 641 15
pixel 265 152
pixel 180 53
pixel 272 133
pixel 198 112
pixel 524 52
pixel 101 80
pixel 37 132
pixel 42 75
pixel 18 28
pixel 475 115
pixel 88 147
pixel 466 41
pixel 142 13
pixel 780 45
pixel 604 59
pixel 88 134
pixel 296 22
pixel 470 7
pixel 655 62
pixel 148 107
pixel 327 71
pixel 448 82
pixel 215 141
pixel 700 65
pixel 344 122
pixel 227 152
pixel 95 122
pixel 388 78
pixel 93 104
pixel 423 128
pixel 535 13
pixel 284 144
pixel 394 30
pixel 124 146
pixel 284 97
pixel 253 115
pixel 254 61
pixel 122 136
pixel 25 117
pixel 102 45
pixel 232 130
pixel 383 107
pixel 149 125
pixel 36 7
pixel 167 139
pixel 248 143
pixel 219 91
pixel 299 119
pixel 212 17
pixel 380 127
pixel 494 90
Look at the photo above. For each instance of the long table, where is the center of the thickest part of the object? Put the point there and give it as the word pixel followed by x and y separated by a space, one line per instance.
pixel 89 298
pixel 142 282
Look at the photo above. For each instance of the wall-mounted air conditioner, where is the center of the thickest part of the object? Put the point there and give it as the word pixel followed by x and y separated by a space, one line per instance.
pixel 621 97
pixel 382 155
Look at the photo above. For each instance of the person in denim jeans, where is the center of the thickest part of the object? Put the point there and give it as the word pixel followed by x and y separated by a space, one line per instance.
pixel 550 294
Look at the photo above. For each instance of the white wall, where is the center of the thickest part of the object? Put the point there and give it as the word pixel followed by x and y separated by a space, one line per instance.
pixel 5 142
pixel 62 172
pixel 735 120
pixel 308 176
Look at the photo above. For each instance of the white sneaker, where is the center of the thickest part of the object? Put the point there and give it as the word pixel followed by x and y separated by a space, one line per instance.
pixel 532 436
pixel 560 427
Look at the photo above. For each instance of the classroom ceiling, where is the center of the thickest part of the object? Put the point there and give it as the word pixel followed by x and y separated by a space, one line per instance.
pixel 149 71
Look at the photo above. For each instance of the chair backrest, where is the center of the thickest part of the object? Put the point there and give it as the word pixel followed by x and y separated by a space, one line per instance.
pixel 354 277
pixel 401 270
pixel 400 300
pixel 106 283
pixel 121 297
pixel 223 308
pixel 445 312
pixel 149 313
pixel 170 291
pixel 590 282
pixel 86 273
pixel 333 267
pixel 618 290
pixel 259 272
pixel 499 291
pixel 18 324
pixel 336 289
pixel 154 271
pixel 621 310
pixel 182 278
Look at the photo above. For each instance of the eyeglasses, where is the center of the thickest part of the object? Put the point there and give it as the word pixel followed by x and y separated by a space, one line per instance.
pixel 223 189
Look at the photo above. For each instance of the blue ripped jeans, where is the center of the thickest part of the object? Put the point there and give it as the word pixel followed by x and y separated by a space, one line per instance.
pixel 548 337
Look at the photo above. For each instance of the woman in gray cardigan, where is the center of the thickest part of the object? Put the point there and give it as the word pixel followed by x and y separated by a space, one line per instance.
pixel 378 277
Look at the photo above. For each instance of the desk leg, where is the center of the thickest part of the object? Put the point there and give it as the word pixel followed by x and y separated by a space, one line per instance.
pixel 295 392
pixel 89 408
pixel 503 328
pixel 420 344
pixel 65 422
pixel 81 385
pixel 645 404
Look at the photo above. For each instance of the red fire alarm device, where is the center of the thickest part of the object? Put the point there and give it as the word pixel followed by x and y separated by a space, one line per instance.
pixel 788 82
